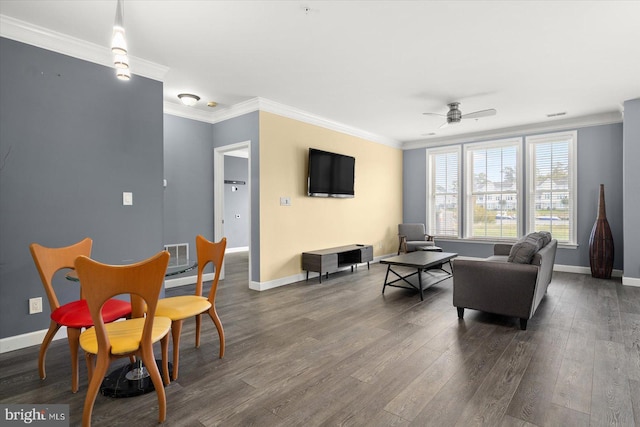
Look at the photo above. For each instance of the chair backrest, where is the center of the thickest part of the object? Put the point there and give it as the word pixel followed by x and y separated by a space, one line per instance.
pixel 142 281
pixel 209 252
pixel 412 231
pixel 51 260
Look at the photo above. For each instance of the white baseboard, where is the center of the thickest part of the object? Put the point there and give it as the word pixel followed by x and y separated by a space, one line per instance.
pixel 283 281
pixel 238 249
pixel 562 268
pixel 29 339
pixel 581 270
pixel 631 281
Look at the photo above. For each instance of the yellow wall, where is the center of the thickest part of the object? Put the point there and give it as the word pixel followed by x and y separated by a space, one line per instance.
pixel 311 223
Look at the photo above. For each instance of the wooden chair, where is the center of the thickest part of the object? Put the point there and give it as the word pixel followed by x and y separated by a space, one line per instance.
pixel 134 336
pixel 74 315
pixel 182 307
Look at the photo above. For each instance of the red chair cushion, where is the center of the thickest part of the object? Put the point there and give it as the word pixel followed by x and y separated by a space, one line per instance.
pixel 76 314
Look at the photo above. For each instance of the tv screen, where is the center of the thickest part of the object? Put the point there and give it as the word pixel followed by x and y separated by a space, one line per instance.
pixel 330 174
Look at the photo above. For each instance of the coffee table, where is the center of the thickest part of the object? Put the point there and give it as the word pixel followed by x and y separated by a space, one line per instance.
pixel 422 261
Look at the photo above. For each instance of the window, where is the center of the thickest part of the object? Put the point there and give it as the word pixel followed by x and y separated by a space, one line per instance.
pixel 444 191
pixel 493 180
pixel 552 185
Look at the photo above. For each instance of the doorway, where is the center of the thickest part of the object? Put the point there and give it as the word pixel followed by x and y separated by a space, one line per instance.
pixel 241 149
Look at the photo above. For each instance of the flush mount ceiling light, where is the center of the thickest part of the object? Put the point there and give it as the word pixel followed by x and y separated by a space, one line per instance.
pixel 119 45
pixel 189 99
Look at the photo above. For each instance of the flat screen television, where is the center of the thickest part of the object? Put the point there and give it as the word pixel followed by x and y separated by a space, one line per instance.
pixel 330 174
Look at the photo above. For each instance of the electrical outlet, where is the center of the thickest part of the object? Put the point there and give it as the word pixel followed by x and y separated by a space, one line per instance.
pixel 35 305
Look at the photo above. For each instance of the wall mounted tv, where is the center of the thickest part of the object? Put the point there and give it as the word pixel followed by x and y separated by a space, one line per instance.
pixel 330 174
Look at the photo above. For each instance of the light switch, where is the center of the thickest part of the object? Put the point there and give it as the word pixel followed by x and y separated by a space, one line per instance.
pixel 285 201
pixel 127 198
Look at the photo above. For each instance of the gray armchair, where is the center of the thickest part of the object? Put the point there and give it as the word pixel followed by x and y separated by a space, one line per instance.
pixel 412 236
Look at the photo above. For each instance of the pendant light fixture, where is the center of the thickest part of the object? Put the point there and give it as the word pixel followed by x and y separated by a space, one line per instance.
pixel 119 44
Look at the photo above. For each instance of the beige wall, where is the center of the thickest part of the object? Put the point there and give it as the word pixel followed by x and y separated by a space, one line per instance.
pixel 311 223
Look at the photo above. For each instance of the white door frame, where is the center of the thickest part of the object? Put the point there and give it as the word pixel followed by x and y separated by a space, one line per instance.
pixel 218 192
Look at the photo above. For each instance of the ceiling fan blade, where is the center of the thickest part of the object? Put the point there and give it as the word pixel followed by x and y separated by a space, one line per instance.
pixel 479 114
pixel 444 125
pixel 435 114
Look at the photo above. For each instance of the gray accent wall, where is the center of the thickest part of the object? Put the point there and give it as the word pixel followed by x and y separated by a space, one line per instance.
pixel 631 190
pixel 188 169
pixel 236 202
pixel 599 162
pixel 414 188
pixel 241 129
pixel 73 138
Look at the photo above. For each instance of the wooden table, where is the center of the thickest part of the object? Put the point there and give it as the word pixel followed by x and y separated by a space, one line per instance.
pixel 421 261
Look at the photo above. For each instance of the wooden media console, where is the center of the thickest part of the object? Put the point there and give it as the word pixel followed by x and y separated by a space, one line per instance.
pixel 325 261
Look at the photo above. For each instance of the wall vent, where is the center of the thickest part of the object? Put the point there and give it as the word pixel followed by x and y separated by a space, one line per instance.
pixel 179 254
pixel 557 114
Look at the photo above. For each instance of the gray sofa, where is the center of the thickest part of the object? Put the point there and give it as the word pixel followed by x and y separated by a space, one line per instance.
pixel 512 282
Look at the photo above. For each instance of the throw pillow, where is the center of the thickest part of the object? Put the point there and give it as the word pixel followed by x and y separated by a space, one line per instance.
pixel 523 250
pixel 546 237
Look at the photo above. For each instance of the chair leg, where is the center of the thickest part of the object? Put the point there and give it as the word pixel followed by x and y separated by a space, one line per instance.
pixel 164 346
pixel 460 312
pixel 73 336
pixel 88 358
pixel 198 324
pixel 216 320
pixel 149 361
pixel 53 328
pixel 102 365
pixel 176 329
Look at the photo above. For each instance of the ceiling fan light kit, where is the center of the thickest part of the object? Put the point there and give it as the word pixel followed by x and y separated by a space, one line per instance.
pixel 454 115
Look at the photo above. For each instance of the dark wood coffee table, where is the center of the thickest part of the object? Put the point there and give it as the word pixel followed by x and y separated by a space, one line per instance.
pixel 421 261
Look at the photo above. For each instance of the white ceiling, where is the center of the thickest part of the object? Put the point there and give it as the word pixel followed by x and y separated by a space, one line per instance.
pixel 378 65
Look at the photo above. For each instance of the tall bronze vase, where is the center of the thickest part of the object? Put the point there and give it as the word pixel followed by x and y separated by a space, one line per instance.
pixel 601 243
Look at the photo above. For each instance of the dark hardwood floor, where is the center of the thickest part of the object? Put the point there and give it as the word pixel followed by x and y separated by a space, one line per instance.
pixel 340 353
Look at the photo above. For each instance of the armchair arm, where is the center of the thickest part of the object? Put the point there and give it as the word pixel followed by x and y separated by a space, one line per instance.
pixel 495 287
pixel 402 247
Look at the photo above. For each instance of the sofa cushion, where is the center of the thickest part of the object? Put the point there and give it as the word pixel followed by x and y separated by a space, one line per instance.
pixel 523 250
pixel 497 258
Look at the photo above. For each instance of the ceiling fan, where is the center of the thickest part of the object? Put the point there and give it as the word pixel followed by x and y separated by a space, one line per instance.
pixel 455 116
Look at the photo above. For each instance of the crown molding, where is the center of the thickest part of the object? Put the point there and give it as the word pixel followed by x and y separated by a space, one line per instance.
pixel 306 117
pixel 551 126
pixel 266 105
pixel 186 112
pixel 65 44
pixel 236 110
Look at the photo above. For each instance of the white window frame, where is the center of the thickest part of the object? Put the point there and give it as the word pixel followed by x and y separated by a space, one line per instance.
pixel 469 149
pixel 431 193
pixel 531 141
